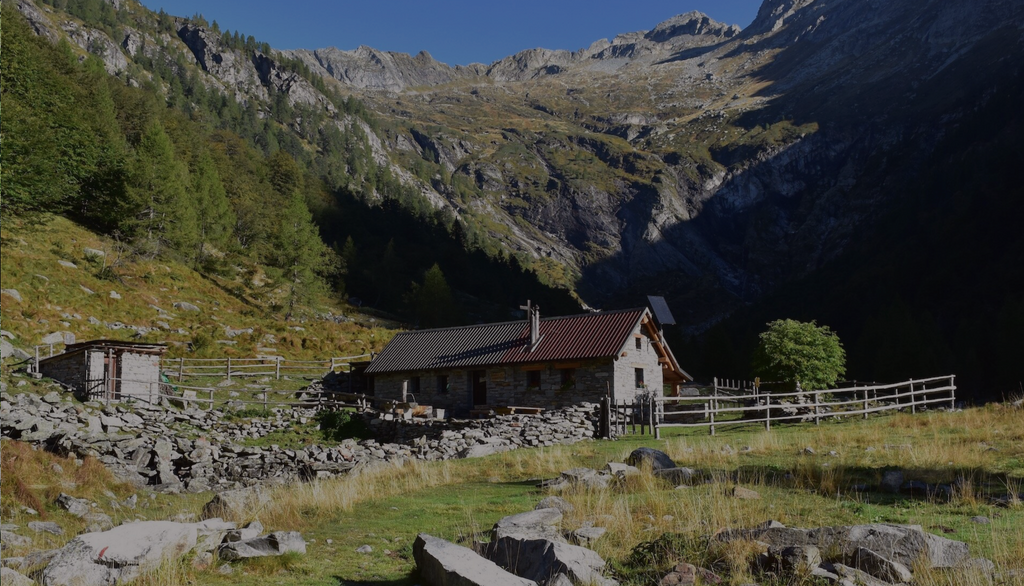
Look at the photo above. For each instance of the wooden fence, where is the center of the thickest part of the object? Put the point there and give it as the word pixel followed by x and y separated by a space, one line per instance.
pixel 106 392
pixel 742 403
pixel 270 366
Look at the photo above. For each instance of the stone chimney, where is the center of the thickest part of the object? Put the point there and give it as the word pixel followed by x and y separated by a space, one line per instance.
pixel 533 315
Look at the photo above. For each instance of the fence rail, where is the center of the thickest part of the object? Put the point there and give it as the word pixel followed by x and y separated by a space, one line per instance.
pixel 274 366
pixel 759 407
pixel 742 403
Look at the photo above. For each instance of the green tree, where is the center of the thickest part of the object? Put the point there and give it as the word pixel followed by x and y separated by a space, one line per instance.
pixel 800 352
pixel 165 212
pixel 433 301
pixel 302 255
pixel 215 218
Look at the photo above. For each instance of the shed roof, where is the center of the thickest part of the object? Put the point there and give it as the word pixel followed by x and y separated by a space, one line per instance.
pixel 117 345
pixel 573 337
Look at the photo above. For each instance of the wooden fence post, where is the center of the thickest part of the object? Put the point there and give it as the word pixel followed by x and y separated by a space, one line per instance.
pixel 952 392
pixel 865 403
pixel 654 421
pixel 768 413
pixel 211 401
pixel 817 401
pixel 714 405
pixel 265 393
pixel 229 369
pixel 181 369
pixel 35 367
pixel 277 369
pixel 913 398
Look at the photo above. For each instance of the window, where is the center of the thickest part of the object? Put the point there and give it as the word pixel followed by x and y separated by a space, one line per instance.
pixel 533 379
pixel 639 343
pixel 638 373
pixel 442 383
pixel 568 378
pixel 414 384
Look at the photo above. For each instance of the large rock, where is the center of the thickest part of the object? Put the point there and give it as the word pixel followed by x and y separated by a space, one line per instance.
pixel 75 506
pixel 236 504
pixel 555 502
pixel 880 567
pixel 655 459
pixel 904 544
pixel 118 555
pixel 277 543
pixel 185 306
pixel 9 577
pixel 677 476
pixel 442 563
pixel 538 523
pixel 541 560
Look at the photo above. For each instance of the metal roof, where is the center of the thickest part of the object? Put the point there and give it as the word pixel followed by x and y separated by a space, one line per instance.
pixel 573 337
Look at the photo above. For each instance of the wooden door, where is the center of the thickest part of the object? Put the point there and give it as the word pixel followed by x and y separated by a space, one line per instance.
pixel 479 386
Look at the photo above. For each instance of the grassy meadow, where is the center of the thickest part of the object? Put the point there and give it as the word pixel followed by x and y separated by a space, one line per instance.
pixel 979 449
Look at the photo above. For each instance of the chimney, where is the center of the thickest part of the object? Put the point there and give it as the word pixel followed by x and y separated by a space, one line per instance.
pixel 533 315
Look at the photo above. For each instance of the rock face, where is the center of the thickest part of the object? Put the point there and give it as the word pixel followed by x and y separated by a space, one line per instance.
pixel 118 555
pixel 903 544
pixel 442 563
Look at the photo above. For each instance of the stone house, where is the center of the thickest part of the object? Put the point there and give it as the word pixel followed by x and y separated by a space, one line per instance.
pixel 107 369
pixel 549 363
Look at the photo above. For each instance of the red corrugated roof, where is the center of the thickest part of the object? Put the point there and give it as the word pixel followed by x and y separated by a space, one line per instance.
pixel 574 337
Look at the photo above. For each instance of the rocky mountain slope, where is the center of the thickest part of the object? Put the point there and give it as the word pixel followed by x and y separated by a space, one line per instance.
pixel 712 164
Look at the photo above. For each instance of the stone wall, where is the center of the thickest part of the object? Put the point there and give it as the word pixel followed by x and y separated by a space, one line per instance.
pixel 631 358
pixel 70 369
pixel 506 386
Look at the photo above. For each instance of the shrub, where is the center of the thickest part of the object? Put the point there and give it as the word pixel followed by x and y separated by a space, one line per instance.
pixel 341 425
pixel 791 351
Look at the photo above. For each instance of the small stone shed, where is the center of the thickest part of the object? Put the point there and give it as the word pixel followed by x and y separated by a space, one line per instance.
pixel 107 369
pixel 549 363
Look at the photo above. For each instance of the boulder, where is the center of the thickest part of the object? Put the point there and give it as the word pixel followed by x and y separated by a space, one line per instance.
pixel 880 567
pixel 621 470
pixel 46 526
pixel 10 539
pixel 655 459
pixel 12 293
pixel 538 523
pixel 555 502
pixel 541 560
pixel 75 506
pixel 277 543
pixel 905 544
pixel 442 563
pixel 185 306
pixel 745 493
pixel 795 558
pixel 585 477
pixel 236 504
pixel 682 575
pixel 118 555
pixel 9 577
pixel 587 535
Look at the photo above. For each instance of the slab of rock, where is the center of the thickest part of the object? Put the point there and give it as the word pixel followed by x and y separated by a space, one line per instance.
pixel 880 567
pixel 482 450
pixel 656 459
pixel 118 555
pixel 904 544
pixel 555 502
pixel 12 293
pixel 855 577
pixel 236 503
pixel 67 264
pixel 9 577
pixel 541 560
pixel 77 507
pixel 745 493
pixel 442 563
pixel 585 477
pixel 276 543
pixel 539 523
pixel 10 539
pixel 587 535
pixel 681 575
pixel 94 252
pixel 621 470
pixel 46 526
pixel 185 306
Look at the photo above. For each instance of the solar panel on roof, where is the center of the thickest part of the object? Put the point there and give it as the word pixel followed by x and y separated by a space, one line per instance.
pixel 661 311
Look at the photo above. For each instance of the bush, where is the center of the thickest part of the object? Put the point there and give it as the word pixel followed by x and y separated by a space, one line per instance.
pixel 341 425
pixel 791 351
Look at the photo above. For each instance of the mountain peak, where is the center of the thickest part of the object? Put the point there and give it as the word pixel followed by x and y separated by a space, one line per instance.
pixel 691 23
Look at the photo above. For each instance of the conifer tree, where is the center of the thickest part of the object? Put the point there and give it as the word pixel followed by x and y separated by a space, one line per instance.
pixel 215 217
pixel 302 255
pixel 165 213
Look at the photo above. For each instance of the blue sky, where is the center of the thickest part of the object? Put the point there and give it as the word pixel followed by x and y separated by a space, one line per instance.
pixel 453 31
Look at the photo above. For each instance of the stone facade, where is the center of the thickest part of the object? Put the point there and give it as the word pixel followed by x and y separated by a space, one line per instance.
pixel 549 385
pixel 84 370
